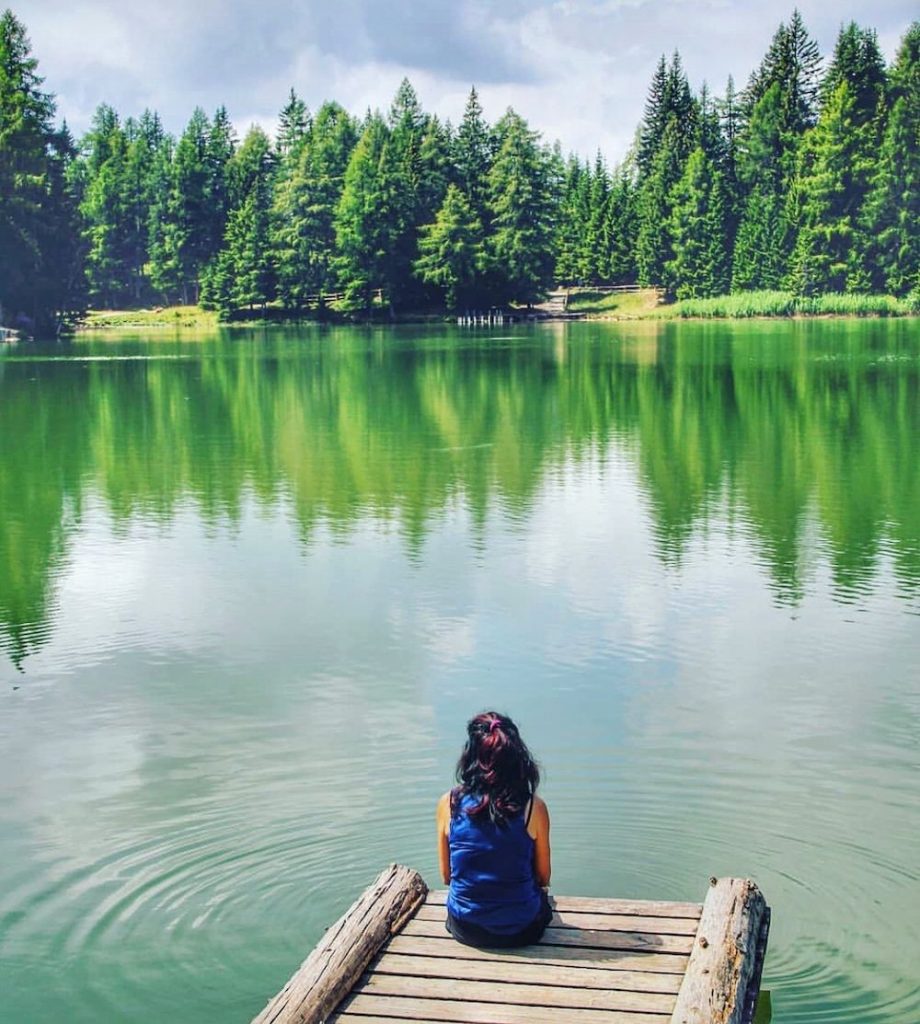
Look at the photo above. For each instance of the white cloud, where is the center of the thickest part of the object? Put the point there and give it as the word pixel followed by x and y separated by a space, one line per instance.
pixel 578 70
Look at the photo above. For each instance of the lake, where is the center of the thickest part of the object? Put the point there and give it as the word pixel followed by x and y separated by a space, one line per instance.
pixel 252 585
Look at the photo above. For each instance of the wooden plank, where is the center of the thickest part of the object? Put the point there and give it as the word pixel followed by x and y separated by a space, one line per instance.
pixel 444 947
pixel 465 1012
pixel 723 960
pixel 589 939
pixel 525 972
pixel 512 994
pixel 591 904
pixel 343 953
pixel 600 922
pixel 364 1018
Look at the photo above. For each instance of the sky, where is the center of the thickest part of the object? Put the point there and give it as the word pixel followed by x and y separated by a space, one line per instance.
pixel 577 70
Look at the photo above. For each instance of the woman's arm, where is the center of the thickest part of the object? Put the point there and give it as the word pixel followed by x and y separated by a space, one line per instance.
pixel 443 819
pixel 538 828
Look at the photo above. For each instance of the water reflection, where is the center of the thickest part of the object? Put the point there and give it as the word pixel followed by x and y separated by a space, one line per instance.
pixel 802 435
pixel 256 585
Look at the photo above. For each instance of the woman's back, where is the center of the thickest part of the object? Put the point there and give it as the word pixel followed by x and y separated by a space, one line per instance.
pixel 492 881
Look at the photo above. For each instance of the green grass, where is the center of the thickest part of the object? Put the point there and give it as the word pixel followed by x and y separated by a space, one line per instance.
pixel 618 304
pixel 766 303
pixel 169 316
pixel 739 306
pixel 853 305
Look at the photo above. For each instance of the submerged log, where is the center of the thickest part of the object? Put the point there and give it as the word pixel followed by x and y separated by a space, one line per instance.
pixel 724 961
pixel 343 953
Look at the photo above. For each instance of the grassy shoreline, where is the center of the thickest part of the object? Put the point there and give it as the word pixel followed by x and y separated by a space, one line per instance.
pixel 742 306
pixel 160 316
pixel 592 304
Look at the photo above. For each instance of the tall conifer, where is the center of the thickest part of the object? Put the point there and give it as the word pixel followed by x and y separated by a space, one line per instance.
pixel 892 212
pixel 700 266
pixel 521 208
pixel 40 282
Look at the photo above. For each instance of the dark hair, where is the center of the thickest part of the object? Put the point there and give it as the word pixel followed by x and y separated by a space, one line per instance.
pixel 496 767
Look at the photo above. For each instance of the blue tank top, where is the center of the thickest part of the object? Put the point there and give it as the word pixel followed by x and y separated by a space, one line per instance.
pixel 492 884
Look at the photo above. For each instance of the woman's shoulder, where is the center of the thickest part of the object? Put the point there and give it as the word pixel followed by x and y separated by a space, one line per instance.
pixel 539 815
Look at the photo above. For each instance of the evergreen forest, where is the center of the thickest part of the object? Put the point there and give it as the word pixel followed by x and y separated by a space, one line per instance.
pixel 806 180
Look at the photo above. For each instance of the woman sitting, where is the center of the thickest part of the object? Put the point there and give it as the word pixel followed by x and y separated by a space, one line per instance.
pixel 493 840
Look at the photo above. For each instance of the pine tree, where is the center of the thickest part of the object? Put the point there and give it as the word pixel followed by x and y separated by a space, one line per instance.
pixel 653 239
pixel 303 214
pixel 699 267
pixel 764 148
pixel 182 222
pixel 858 61
pixel 472 156
pixel 892 212
pixel 105 210
pixel 651 131
pixel 40 276
pixel 452 252
pixel 62 285
pixel 165 234
pixel 596 246
pixel 571 223
pixel 761 250
pixel 764 239
pixel 293 128
pixel 838 167
pixel 622 230
pixel 243 274
pixel 219 150
pixel 402 172
pixel 776 109
pixel 364 229
pixel 434 170
pixel 792 62
pixel 729 114
pixel 145 137
pixel 521 209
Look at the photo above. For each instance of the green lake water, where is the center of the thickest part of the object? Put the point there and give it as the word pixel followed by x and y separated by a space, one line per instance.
pixel 253 584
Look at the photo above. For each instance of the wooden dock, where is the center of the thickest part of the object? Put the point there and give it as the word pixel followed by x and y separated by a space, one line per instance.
pixel 601 961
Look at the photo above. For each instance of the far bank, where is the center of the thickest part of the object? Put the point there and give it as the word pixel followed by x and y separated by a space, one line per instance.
pixel 586 303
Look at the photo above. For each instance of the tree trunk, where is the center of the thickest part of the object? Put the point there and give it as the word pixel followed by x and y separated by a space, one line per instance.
pixel 724 960
pixel 342 955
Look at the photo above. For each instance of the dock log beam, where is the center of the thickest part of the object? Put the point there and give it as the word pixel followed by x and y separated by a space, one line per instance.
pixel 331 970
pixel 723 973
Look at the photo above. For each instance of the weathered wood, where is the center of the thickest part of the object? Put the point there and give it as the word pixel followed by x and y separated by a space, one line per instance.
pixel 549 956
pixel 751 1003
pixel 723 959
pixel 592 904
pixel 337 963
pixel 406 1009
pixel 515 994
pixel 595 938
pixel 525 972
pixel 597 922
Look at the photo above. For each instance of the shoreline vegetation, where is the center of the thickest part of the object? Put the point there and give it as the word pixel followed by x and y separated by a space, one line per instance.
pixel 797 195
pixel 588 303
